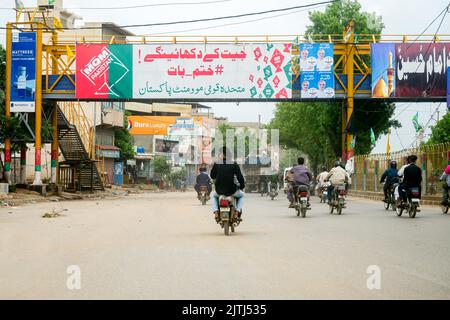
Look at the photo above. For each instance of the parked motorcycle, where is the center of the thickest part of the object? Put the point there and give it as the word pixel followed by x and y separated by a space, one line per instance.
pixel 227 209
pixel 412 205
pixel 301 204
pixel 338 199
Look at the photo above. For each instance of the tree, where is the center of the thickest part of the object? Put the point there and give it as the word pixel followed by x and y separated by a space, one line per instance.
pixel 161 166
pixel 124 140
pixel 315 127
pixel 440 133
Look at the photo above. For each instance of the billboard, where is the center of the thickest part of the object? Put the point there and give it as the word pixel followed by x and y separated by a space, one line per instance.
pixel 316 70
pixel 383 63
pixel 150 125
pixel 166 146
pixel 23 72
pixel 406 70
pixel 195 71
pixel 448 88
pixel 421 69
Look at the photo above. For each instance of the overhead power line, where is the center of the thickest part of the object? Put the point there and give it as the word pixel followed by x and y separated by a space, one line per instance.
pixel 206 19
pixel 143 5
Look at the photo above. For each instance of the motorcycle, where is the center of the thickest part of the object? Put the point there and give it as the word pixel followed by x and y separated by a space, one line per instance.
pixel 412 204
pixel 323 194
pixel 444 208
pixel 227 213
pixel 390 202
pixel 338 199
pixel 273 191
pixel 203 195
pixel 301 204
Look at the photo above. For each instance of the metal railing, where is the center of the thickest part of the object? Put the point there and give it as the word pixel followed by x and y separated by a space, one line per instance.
pixel 432 159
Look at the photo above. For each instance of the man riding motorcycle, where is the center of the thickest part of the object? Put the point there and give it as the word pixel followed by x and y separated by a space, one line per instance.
pixel 301 176
pixel 203 180
pixel 412 178
pixel 321 184
pixel 336 176
pixel 229 181
pixel 391 177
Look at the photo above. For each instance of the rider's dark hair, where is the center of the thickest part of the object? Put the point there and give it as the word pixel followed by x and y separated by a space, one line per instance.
pixel 324 168
pixel 393 164
pixel 301 160
pixel 413 158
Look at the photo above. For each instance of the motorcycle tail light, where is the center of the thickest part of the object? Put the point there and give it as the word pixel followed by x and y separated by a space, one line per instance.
pixel 303 194
pixel 203 188
pixel 224 203
pixel 342 192
pixel 415 194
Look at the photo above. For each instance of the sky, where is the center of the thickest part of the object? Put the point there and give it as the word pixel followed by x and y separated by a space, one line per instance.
pixel 399 16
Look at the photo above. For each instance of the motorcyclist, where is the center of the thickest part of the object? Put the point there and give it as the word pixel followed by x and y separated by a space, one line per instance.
pixel 389 177
pixel 203 180
pixel 321 184
pixel 412 178
pixel 228 182
pixel 301 176
pixel 336 176
pixel 445 177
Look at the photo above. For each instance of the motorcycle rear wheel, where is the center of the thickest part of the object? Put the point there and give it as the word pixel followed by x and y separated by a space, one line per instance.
pixel 303 212
pixel 444 209
pixel 331 207
pixel 226 227
pixel 412 211
pixel 398 209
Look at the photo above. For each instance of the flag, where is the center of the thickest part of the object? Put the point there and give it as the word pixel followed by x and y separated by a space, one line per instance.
pixel 70 53
pixel 19 5
pixel 372 137
pixel 416 124
pixel 388 145
pixel 57 24
pixel 353 143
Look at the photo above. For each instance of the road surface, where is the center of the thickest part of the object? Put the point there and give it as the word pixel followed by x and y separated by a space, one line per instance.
pixel 167 246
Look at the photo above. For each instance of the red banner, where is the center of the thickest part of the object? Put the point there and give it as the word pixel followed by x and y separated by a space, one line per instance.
pixel 92 71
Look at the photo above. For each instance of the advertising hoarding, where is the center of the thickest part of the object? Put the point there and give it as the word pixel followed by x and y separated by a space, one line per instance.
pixel 196 71
pixel 383 72
pixel 23 72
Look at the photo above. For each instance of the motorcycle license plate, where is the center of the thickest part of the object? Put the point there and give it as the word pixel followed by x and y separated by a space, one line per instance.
pixel 325 193
pixel 341 197
pixel 303 199
pixel 415 200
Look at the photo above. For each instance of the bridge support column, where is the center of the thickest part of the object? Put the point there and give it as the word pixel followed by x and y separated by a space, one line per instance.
pixel 38 112
pixel 349 38
pixel 55 144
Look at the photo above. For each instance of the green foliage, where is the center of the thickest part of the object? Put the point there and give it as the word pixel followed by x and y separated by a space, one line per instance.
pixel 179 174
pixel 124 140
pixel 2 68
pixel 336 17
pixel 160 165
pixel 440 133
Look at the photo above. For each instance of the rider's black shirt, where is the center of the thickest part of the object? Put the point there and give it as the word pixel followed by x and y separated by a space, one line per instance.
pixel 412 176
pixel 203 179
pixel 223 174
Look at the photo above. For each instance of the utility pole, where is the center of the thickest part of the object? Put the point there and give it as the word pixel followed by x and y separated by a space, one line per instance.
pixel 347 112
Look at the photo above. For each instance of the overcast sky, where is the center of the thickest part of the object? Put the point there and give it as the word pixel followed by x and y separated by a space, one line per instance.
pixel 399 16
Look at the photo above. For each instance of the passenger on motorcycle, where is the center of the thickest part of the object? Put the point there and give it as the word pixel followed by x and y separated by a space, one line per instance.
pixel 321 184
pixel 412 178
pixel 336 176
pixel 445 177
pixel 301 176
pixel 228 182
pixel 389 177
pixel 203 180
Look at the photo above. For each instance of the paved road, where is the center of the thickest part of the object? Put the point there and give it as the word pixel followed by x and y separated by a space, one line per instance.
pixel 167 246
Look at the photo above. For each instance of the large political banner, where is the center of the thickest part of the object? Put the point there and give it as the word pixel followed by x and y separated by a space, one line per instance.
pixel 408 70
pixel 23 72
pixel 316 70
pixel 186 71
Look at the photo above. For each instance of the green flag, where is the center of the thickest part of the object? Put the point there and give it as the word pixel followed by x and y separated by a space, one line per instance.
pixel 19 5
pixel 353 143
pixel 415 121
pixel 372 137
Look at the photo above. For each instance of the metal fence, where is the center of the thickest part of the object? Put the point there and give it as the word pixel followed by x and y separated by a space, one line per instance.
pixel 432 159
